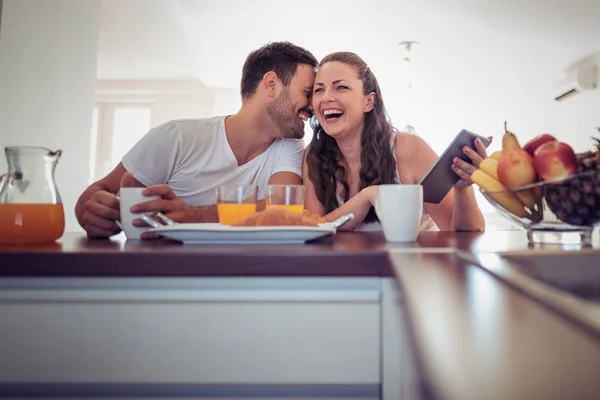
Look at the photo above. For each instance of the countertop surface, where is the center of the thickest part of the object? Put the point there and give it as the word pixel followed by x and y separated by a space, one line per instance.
pixel 474 336
pixel 345 254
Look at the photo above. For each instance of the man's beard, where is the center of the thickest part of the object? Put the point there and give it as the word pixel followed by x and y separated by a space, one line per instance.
pixel 284 116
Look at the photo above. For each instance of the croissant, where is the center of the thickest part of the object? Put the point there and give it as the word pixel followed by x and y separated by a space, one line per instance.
pixel 316 217
pixel 280 217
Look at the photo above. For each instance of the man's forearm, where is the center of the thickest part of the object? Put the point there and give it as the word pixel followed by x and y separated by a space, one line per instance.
pixel 203 214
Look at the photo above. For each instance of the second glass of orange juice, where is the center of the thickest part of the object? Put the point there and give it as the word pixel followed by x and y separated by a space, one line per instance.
pixel 289 197
pixel 235 202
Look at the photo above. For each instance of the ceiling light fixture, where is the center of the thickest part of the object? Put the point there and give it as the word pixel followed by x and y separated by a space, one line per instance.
pixel 408 45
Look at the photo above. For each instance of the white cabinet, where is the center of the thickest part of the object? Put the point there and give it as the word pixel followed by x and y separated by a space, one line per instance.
pixel 268 333
pixel 400 377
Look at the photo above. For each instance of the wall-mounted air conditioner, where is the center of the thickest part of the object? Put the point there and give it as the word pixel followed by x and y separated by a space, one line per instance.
pixel 580 77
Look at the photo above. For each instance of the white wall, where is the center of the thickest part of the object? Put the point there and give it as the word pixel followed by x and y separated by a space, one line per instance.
pixel 442 106
pixel 168 98
pixel 226 101
pixel 577 119
pixel 47 74
pixel 168 107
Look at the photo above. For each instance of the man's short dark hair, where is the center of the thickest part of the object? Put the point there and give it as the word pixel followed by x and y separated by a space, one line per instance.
pixel 282 58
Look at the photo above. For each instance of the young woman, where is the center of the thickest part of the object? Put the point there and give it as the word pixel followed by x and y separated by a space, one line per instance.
pixel 355 148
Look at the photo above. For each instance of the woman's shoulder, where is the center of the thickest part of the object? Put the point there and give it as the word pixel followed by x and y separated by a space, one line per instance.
pixel 408 144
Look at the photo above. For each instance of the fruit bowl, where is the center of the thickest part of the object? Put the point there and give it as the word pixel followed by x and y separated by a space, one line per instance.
pixel 565 210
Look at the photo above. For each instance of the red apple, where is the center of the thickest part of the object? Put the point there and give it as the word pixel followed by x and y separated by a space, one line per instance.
pixel 555 160
pixel 537 141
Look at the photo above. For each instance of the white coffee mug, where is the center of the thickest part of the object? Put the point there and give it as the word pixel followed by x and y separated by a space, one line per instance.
pixel 400 209
pixel 129 197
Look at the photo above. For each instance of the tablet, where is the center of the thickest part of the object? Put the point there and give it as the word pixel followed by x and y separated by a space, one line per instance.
pixel 440 179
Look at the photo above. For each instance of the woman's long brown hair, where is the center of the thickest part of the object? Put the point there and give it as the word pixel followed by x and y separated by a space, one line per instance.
pixel 325 160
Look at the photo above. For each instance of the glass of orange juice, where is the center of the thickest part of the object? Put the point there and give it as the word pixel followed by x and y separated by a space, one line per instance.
pixel 289 197
pixel 235 202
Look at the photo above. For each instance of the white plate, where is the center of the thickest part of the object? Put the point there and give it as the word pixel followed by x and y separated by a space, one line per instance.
pixel 217 233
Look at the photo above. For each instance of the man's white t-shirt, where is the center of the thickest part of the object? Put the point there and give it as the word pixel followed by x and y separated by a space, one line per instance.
pixel 193 157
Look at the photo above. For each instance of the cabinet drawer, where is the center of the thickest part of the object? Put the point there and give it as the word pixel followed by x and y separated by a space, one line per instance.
pixel 240 334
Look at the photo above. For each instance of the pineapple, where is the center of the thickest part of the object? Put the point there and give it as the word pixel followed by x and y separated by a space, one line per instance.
pixel 577 201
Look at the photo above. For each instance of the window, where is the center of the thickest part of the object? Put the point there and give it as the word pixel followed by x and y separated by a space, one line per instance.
pixel 116 128
pixel 93 144
pixel 129 125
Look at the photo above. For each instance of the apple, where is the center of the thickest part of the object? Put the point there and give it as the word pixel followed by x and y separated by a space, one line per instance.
pixel 555 160
pixel 537 141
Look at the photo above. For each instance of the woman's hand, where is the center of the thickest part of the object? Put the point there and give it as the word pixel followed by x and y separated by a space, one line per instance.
pixel 464 169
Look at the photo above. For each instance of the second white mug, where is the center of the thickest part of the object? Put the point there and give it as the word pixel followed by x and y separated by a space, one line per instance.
pixel 400 209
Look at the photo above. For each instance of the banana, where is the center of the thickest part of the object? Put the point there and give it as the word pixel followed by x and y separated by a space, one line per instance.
pixel 527 197
pixel 505 199
pixel 496 155
pixel 490 167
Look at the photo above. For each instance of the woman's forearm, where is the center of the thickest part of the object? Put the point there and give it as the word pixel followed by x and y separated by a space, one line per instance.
pixel 358 205
pixel 466 215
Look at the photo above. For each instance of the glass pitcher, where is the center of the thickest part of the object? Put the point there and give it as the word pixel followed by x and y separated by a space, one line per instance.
pixel 31 210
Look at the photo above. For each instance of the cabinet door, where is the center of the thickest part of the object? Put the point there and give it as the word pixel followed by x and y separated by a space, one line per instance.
pixel 400 379
pixel 202 331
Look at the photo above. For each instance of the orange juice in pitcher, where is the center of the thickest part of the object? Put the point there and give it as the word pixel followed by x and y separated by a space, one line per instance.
pixel 31 223
pixel 31 210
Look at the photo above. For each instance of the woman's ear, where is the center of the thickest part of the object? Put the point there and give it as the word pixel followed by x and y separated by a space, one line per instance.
pixel 270 82
pixel 370 102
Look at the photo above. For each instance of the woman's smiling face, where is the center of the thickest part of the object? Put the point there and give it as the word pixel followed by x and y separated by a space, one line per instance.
pixel 338 100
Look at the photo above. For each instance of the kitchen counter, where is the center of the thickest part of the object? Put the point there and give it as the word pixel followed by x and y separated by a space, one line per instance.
pixel 348 254
pixel 478 338
pixel 473 335
pixel 345 254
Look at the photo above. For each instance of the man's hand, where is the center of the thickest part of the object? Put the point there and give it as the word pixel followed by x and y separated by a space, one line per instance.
pixel 97 208
pixel 169 204
pixel 99 215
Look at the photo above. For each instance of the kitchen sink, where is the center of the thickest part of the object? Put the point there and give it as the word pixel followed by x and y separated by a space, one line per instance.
pixel 576 272
pixel 566 280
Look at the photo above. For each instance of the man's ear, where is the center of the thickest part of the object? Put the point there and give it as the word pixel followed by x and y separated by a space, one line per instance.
pixel 370 102
pixel 271 84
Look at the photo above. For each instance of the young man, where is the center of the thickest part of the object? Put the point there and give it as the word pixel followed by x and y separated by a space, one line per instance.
pixel 183 161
